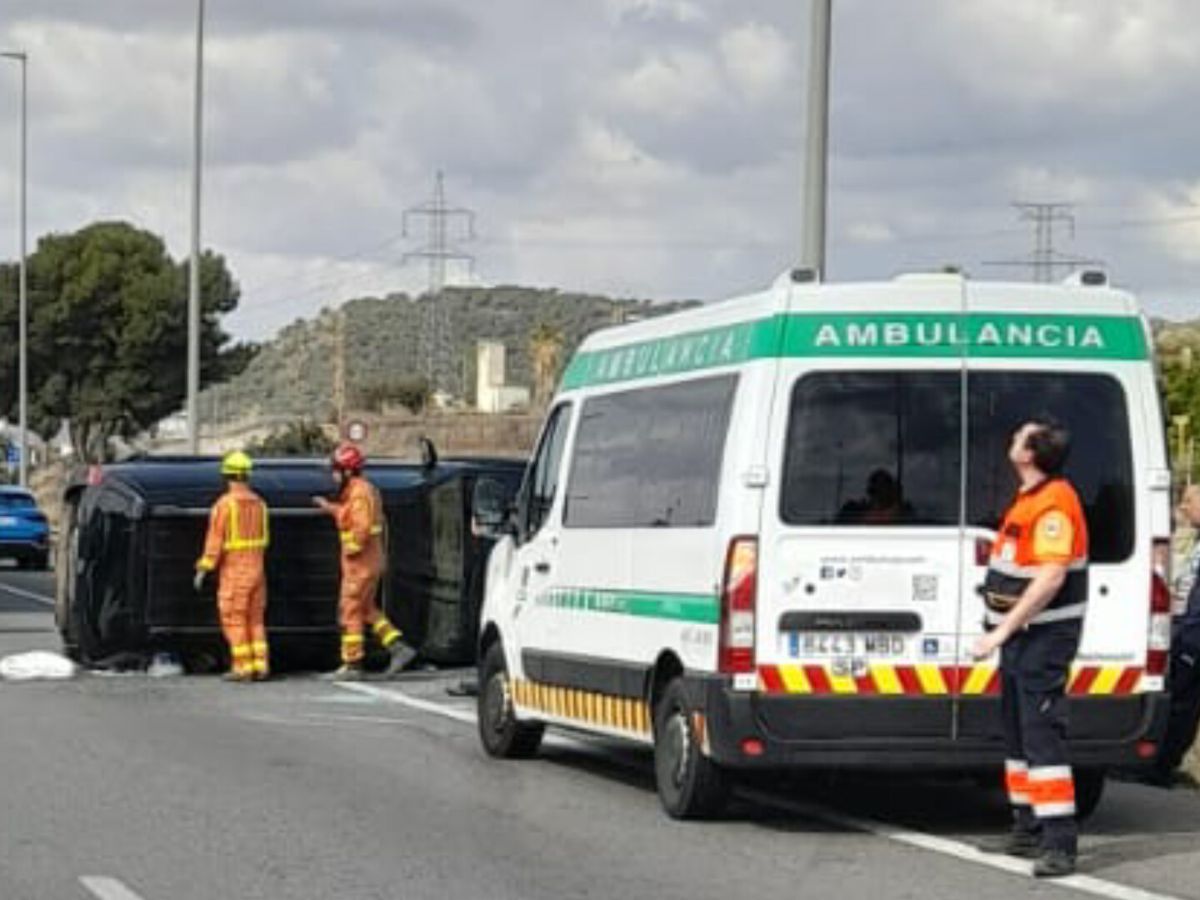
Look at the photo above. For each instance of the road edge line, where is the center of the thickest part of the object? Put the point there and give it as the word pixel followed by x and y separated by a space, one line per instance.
pixel 27 595
pixel 107 888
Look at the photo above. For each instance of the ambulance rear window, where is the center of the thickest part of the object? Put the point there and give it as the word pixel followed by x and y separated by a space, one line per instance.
pixel 874 448
pixel 884 448
pixel 1100 466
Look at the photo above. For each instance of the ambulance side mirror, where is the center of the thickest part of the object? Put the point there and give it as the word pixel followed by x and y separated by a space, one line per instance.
pixel 491 509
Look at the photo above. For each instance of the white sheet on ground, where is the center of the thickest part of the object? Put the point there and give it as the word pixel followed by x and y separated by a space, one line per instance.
pixel 36 665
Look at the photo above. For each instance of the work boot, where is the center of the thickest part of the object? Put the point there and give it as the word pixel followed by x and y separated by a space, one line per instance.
pixel 1054 864
pixel 402 655
pixel 237 677
pixel 347 672
pixel 1022 843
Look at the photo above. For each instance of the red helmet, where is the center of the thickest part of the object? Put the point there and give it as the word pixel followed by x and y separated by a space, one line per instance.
pixel 348 458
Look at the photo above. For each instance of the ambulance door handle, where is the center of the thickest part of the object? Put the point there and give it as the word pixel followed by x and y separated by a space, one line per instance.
pixel 542 568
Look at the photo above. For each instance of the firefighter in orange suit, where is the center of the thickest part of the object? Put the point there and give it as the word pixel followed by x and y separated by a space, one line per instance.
pixel 1036 595
pixel 358 513
pixel 235 548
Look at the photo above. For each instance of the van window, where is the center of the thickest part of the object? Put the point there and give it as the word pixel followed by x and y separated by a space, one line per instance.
pixel 1100 466
pixel 883 448
pixel 542 485
pixel 873 448
pixel 650 458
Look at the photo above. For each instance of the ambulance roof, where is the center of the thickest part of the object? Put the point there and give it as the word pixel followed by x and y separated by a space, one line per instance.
pixel 909 293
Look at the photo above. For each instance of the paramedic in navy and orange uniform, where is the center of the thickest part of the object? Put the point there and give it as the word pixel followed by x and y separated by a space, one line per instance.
pixel 1036 595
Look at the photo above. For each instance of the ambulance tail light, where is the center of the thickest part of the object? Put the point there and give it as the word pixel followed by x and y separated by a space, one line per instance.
pixel 739 598
pixel 1159 643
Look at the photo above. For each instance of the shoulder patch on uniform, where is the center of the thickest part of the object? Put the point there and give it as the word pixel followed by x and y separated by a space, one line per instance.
pixel 1053 535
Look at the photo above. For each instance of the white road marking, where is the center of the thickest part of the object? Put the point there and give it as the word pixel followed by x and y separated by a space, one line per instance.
pixel 961 850
pixel 330 721
pixel 394 696
pixel 107 888
pixel 948 847
pixel 27 595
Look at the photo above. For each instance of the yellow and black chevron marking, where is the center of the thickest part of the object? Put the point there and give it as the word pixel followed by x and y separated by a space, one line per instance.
pixel 604 710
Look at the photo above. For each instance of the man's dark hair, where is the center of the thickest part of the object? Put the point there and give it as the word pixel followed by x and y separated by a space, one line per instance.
pixel 1050 445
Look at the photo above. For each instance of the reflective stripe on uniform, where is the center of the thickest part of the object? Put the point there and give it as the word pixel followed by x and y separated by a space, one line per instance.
pixel 387 633
pixel 1014 570
pixel 1052 791
pixel 1046 616
pixel 236 540
pixel 1016 782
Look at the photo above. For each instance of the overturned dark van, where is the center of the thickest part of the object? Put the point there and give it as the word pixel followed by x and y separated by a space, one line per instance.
pixel 132 531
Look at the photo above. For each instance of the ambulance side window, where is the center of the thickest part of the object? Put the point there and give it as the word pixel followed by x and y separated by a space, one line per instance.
pixel 541 484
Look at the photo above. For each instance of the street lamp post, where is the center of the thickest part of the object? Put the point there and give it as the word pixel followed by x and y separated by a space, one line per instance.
pixel 23 310
pixel 816 159
pixel 193 349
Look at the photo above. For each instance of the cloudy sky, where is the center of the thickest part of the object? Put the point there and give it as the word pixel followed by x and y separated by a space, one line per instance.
pixel 634 147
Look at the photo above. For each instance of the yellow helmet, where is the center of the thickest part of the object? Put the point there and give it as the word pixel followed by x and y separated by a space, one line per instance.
pixel 236 464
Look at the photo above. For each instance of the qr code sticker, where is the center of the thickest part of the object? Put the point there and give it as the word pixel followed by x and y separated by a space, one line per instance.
pixel 924 588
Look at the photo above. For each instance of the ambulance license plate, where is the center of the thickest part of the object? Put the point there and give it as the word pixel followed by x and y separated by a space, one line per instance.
pixel 824 644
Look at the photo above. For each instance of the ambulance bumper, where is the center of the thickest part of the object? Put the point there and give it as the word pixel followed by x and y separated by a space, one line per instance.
pixel 752 730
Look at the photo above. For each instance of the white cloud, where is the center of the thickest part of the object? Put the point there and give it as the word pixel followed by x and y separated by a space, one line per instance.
pixel 682 11
pixel 1178 209
pixel 758 58
pixel 646 147
pixel 674 85
pixel 870 232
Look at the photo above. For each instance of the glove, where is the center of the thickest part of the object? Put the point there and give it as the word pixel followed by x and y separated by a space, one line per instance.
pixel 198 581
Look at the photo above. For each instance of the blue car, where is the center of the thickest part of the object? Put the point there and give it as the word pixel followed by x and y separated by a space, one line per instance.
pixel 24 534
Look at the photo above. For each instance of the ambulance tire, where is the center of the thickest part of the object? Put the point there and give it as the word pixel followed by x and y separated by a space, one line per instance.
pixel 502 735
pixel 690 785
pixel 1089 789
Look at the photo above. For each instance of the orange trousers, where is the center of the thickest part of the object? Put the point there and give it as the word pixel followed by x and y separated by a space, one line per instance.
pixel 357 608
pixel 242 604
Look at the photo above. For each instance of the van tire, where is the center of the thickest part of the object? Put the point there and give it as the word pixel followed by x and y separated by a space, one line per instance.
pixel 1089 790
pixel 503 736
pixel 690 785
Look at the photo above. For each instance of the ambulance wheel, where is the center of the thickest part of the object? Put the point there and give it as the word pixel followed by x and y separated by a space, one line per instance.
pixel 690 785
pixel 502 735
pixel 1089 789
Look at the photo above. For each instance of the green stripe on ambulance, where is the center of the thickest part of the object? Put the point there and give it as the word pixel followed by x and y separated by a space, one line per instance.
pixel 930 335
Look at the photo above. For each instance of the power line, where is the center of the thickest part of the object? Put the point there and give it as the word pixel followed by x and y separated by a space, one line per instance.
pixel 437 331
pixel 1044 259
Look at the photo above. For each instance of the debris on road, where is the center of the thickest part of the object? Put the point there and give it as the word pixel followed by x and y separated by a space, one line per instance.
pixel 37 665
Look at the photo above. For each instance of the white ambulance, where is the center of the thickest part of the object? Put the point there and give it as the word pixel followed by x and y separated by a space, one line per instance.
pixel 752 533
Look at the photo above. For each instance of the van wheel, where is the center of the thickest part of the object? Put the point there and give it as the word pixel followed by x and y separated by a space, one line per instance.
pixel 690 785
pixel 1089 789
pixel 502 735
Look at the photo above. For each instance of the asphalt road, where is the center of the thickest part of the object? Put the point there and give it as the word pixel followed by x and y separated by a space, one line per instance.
pixel 133 788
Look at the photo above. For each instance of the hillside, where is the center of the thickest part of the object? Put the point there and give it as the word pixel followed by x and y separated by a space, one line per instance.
pixel 293 374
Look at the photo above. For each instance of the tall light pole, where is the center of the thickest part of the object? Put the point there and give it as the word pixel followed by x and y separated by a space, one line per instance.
pixel 816 159
pixel 193 354
pixel 23 312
